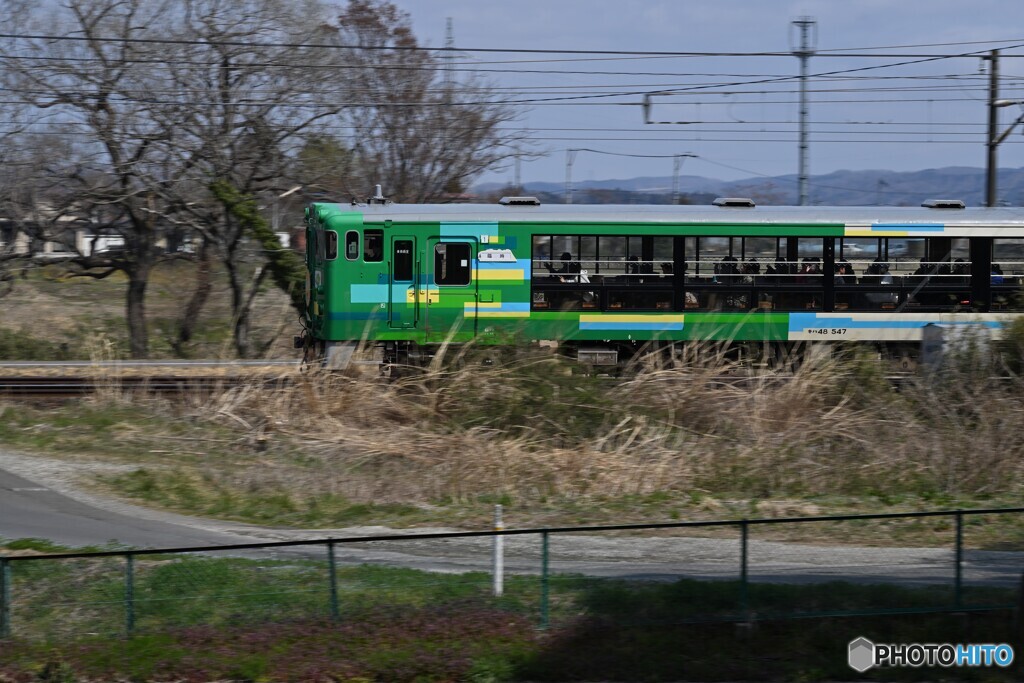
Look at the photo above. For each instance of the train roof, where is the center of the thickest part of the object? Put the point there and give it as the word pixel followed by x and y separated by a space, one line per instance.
pixel 642 213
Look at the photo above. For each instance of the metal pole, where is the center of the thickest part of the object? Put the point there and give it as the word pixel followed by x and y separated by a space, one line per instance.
pixel 333 580
pixel 544 583
pixel 804 54
pixel 498 557
pixel 993 123
pixel 5 598
pixel 958 585
pixel 129 594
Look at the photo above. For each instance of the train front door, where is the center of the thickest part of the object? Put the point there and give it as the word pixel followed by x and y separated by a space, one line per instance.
pixel 450 289
pixel 404 280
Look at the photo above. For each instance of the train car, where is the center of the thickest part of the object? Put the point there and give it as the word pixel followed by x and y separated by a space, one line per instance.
pixel 602 281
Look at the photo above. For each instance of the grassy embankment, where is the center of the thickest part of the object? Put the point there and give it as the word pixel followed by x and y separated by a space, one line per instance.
pixel 560 448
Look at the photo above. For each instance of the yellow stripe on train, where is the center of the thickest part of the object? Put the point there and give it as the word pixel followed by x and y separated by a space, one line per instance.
pixel 499 274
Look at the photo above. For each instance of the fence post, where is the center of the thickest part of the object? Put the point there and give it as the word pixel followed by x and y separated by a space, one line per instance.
pixel 498 557
pixel 333 580
pixel 129 594
pixel 5 598
pixel 744 597
pixel 959 554
pixel 544 616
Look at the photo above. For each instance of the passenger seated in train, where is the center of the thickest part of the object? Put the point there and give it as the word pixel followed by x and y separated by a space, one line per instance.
pixel 809 270
pixel 568 271
pixel 878 275
pixel 842 275
pixel 752 271
pixel 726 270
pixel 780 270
pixel 846 269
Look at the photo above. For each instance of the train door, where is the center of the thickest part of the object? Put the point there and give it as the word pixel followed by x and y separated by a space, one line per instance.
pixel 321 247
pixel 403 283
pixel 450 288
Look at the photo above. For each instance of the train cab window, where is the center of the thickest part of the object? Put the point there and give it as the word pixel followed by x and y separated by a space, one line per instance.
pixel 331 243
pixel 373 246
pixel 351 245
pixel 403 260
pixel 453 263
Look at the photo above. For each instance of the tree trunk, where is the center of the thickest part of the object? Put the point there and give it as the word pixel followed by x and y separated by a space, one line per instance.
pixel 243 345
pixel 139 338
pixel 190 316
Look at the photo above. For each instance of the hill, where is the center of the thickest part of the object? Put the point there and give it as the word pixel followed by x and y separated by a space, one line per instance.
pixel 840 188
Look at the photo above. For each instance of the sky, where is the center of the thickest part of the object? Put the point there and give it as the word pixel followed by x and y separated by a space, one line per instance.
pixel 739 115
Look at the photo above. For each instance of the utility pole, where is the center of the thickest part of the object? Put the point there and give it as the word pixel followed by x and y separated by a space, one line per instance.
pixel 677 163
pixel 570 158
pixel 449 58
pixel 808 35
pixel 993 123
pixel 995 138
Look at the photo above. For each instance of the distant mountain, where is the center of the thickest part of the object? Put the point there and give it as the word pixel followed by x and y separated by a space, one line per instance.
pixel 841 188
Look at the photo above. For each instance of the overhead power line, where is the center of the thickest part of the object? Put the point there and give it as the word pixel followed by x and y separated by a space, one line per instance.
pixel 491 50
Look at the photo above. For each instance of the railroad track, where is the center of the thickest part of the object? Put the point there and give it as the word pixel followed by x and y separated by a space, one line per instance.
pixel 69 379
pixel 71 386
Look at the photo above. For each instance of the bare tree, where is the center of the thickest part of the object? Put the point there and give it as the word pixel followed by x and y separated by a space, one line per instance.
pixel 248 72
pixel 191 114
pixel 91 79
pixel 419 131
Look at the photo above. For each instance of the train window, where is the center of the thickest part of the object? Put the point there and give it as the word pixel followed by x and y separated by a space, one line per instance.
pixel 810 247
pixel 961 248
pixel 373 246
pixel 403 260
pixel 541 253
pixel 588 254
pixel 331 239
pixel 760 248
pixel 612 254
pixel 859 252
pixel 565 243
pixel 351 245
pixel 453 263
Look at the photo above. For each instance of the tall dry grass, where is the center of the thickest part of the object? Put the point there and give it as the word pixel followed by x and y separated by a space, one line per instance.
pixel 534 429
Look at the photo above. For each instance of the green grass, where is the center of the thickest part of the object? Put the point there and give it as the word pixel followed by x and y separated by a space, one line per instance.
pixel 176 489
pixel 200 618
pixel 22 345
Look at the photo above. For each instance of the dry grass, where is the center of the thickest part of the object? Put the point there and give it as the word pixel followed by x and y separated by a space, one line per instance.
pixel 439 445
pixel 532 430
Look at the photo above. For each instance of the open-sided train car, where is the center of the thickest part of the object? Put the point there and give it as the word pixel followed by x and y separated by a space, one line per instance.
pixel 603 280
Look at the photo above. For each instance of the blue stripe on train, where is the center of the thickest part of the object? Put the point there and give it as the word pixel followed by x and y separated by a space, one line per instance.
pixel 655 327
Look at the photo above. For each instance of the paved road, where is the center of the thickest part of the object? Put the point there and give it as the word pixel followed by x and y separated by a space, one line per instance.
pixel 29 509
pixel 39 498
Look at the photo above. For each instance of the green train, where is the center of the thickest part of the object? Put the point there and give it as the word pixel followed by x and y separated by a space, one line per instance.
pixel 601 282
